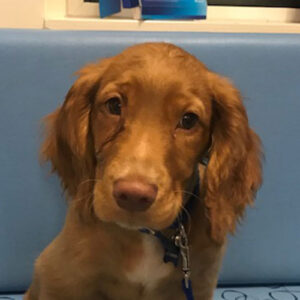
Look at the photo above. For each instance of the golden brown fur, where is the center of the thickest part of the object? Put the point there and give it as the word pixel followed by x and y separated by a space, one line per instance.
pixel 90 149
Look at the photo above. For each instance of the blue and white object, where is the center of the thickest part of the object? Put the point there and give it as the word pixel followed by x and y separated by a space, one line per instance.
pixel 174 9
pixel 109 7
pixel 157 9
pixel 130 3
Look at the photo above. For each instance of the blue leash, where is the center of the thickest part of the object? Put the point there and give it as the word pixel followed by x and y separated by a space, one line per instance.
pixel 177 246
pixel 188 291
pixel 173 249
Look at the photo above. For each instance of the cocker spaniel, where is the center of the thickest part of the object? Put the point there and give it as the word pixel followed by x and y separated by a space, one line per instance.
pixel 159 162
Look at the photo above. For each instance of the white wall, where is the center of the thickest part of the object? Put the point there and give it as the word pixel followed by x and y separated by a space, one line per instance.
pixel 21 13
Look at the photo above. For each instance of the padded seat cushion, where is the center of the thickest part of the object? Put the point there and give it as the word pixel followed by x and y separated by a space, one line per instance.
pixel 259 293
pixel 36 68
pixel 237 293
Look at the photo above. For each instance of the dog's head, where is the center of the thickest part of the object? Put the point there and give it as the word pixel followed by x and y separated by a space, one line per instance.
pixel 129 137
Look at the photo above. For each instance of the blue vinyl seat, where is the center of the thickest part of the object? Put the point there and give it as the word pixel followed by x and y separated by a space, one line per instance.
pixel 35 74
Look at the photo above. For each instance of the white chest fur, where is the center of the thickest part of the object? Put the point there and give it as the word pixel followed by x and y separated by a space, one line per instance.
pixel 151 268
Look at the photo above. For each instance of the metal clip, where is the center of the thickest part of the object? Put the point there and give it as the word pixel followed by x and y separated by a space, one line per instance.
pixel 181 241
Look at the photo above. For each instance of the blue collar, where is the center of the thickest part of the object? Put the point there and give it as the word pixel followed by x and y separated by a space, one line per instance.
pixel 173 249
pixel 177 246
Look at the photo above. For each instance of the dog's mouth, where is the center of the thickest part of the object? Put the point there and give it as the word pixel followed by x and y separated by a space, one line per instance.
pixel 152 219
pixel 160 215
pixel 130 227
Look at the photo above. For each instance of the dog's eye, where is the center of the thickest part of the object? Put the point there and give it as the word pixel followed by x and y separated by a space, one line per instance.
pixel 114 106
pixel 188 121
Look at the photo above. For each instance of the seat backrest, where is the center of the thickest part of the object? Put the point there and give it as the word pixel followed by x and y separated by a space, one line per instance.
pixel 36 69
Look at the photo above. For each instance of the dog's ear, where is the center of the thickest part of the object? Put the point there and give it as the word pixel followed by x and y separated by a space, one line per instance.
pixel 233 174
pixel 67 144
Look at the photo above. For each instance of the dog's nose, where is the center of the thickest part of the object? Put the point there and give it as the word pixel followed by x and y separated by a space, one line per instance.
pixel 134 195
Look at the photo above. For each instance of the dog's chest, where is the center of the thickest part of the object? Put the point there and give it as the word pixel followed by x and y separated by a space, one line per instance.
pixel 150 268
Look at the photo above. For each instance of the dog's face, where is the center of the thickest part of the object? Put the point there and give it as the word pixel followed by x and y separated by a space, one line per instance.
pixel 133 129
pixel 150 125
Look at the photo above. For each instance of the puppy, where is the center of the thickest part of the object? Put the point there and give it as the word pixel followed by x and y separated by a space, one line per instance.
pixel 158 162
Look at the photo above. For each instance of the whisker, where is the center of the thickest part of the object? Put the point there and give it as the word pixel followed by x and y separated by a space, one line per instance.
pixel 184 210
pixel 82 198
pixel 188 193
pixel 87 181
pixel 189 219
